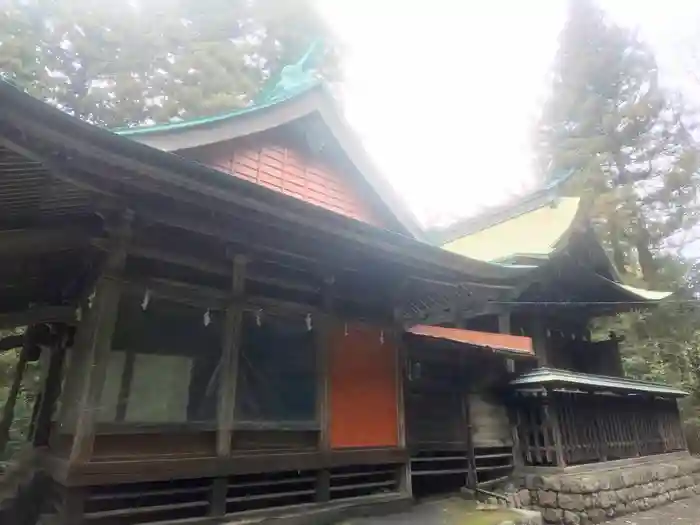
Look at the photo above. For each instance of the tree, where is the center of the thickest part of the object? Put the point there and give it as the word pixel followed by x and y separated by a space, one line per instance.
pixel 629 148
pixel 124 63
pixel 626 140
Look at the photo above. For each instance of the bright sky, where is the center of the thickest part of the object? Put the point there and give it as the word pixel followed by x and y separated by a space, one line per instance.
pixel 444 93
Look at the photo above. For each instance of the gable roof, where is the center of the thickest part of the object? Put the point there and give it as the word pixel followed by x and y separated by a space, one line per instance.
pixel 534 229
pixel 312 99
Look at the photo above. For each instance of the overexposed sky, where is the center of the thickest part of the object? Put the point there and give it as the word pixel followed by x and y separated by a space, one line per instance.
pixel 444 93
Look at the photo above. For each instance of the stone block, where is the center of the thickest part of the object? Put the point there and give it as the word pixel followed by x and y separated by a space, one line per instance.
pixel 596 516
pixel 571 502
pixel 524 497
pixel 647 490
pixel 553 515
pixel 571 518
pixel 616 481
pixel 629 478
pixel 547 498
pixel 693 465
pixel 687 481
pixel 590 501
pixel 633 506
pixel 626 494
pixel 551 483
pixel 638 492
pixel 580 484
pixel 530 481
pixel 607 499
pixel 620 509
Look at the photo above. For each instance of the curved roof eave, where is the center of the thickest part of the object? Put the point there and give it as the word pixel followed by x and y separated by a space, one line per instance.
pixel 56 127
pixel 256 119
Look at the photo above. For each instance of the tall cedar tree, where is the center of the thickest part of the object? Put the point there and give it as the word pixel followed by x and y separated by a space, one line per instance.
pixel 124 63
pixel 633 160
pixel 633 157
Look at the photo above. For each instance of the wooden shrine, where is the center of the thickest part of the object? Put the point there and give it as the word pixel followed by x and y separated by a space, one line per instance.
pixel 236 317
pixel 212 347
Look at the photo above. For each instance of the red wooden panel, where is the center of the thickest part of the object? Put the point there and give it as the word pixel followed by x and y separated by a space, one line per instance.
pixel 363 395
pixel 285 170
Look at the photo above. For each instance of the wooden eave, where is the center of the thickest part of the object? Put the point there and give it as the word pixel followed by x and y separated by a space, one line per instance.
pixel 105 171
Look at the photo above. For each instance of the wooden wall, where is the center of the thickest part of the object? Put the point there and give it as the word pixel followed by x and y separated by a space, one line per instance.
pixel 363 388
pixel 287 170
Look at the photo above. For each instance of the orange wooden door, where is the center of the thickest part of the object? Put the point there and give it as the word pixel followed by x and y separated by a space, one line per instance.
pixel 363 400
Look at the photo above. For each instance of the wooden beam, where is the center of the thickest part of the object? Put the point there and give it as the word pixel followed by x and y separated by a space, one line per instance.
pixel 230 355
pixel 18 243
pixel 8 411
pixel 206 266
pixel 10 342
pixel 95 340
pixel 38 315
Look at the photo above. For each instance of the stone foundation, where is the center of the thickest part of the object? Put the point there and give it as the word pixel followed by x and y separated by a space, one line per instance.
pixel 579 497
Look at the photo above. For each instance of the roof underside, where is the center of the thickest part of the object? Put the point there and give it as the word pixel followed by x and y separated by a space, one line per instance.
pixel 551 378
pixel 59 175
pixel 535 234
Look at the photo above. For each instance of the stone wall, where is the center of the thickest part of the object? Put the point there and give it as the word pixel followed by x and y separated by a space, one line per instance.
pixel 595 496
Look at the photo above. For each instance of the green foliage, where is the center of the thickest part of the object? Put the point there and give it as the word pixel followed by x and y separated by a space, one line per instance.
pixel 627 140
pixel 124 63
pixel 636 167
pixel 23 409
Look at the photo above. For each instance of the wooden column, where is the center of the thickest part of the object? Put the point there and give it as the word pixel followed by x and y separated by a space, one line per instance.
pixel 504 323
pixel 540 341
pixel 8 411
pixel 324 326
pixel 230 358
pixel 52 390
pixel 405 485
pixel 553 411
pixel 94 341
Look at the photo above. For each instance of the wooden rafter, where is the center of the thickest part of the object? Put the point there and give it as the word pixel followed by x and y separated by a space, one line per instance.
pixel 37 315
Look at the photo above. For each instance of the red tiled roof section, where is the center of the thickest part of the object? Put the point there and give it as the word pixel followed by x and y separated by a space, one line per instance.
pixel 282 169
pixel 511 343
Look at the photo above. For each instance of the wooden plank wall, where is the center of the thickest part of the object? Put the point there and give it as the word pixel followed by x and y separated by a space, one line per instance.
pixel 571 429
pixel 288 171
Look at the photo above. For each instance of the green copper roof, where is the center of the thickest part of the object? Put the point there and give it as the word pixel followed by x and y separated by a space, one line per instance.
pixel 294 80
pixel 553 376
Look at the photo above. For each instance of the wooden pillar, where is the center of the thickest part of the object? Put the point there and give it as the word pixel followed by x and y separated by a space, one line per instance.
pixel 515 432
pixel 51 391
pixel 94 341
pixel 504 323
pixel 554 420
pixel 8 411
pixel 230 358
pixel 405 485
pixel 324 325
pixel 540 341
